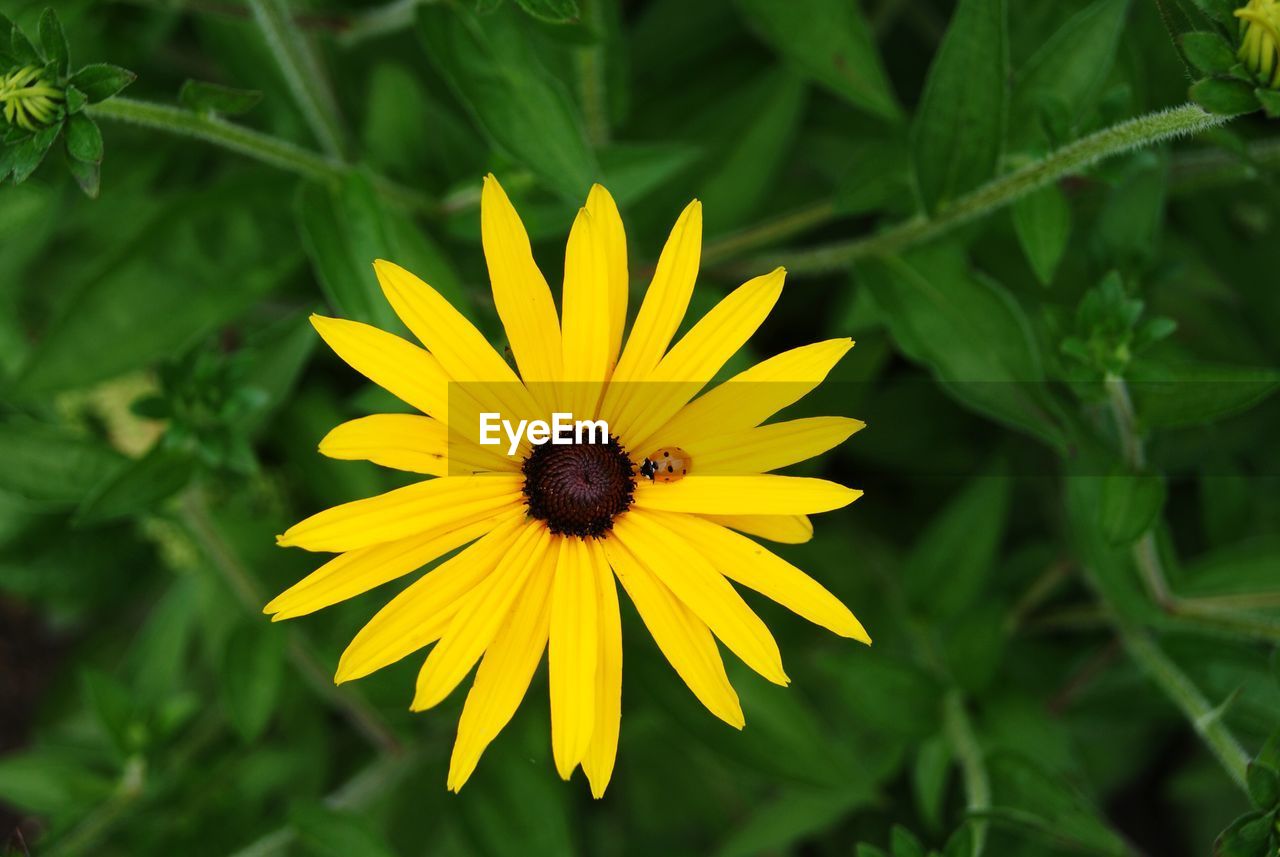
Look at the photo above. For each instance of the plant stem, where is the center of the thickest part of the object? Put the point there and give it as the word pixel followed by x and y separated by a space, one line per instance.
pixel 195 515
pixel 302 72
pixel 1003 190
pixel 768 232
pixel 1205 719
pixel 977 786
pixel 245 141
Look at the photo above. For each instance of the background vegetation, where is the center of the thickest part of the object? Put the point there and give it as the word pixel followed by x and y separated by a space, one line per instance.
pixel 1067 552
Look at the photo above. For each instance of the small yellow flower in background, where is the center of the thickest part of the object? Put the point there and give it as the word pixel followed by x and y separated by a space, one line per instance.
pixel 550 528
pixel 1260 43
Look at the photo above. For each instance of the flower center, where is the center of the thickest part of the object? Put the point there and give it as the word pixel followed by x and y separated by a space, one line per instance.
pixel 578 489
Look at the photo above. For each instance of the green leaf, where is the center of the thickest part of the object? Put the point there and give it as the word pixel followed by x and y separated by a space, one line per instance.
pixel 954 555
pixel 867 850
pixel 1224 96
pixel 1025 794
pixel 1042 221
pixel 878 177
pixel 84 140
pixel 493 69
pixel 1061 82
pixel 46 464
pixel 970 332
pixel 1270 101
pixel 796 815
pixel 347 229
pixel 960 123
pixel 27 156
pixel 830 42
pixel 328 833
pixel 100 81
pixel 1130 506
pixel 54 42
pixel 116 712
pixel 140 486
pixel 1246 837
pixel 1264 786
pixel 205 97
pixel 929 776
pixel 251 673
pixel 739 180
pixel 23 51
pixel 45 782
pixel 976 642
pixel 905 843
pixel 909 698
pixel 88 175
pixel 1207 51
pixel 76 100
pixel 552 11
pixel 1169 394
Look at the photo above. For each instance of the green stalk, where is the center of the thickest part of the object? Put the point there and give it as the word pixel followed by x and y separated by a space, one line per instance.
pixel 245 141
pixel 302 72
pixel 1003 190
pixel 977 785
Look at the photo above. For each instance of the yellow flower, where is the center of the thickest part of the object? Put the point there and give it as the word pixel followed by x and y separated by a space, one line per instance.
pixel 550 528
pixel 1260 43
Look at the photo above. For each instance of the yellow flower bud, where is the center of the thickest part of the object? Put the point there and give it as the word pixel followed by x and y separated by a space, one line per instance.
pixel 28 100
pixel 1260 42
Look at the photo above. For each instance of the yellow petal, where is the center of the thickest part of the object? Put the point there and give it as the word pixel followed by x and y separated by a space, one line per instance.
pixel 769 447
pixel 358 571
pixel 785 529
pixel 403 512
pixel 744 495
pixel 662 309
pixel 703 590
pixel 479 617
pixel 520 292
pixel 604 214
pixel 698 356
pixel 603 750
pixel 453 340
pixel 684 639
pixel 419 615
pixel 586 316
pixel 504 674
pixel 402 369
pixel 747 563
pixel 751 397
pixel 413 443
pixel 572 654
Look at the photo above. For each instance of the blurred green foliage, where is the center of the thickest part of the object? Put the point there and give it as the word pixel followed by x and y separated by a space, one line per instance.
pixel 1068 553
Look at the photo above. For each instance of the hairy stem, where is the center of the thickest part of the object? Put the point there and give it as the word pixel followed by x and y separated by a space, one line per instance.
pixel 977 785
pixel 1003 190
pixel 365 720
pixel 302 72
pixel 245 141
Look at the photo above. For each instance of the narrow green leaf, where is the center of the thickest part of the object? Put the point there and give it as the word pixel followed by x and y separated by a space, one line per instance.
pixel 552 11
pixel 22 48
pixel 48 782
pixel 87 174
pixel 251 673
pixel 1207 51
pixel 54 42
pixel 830 42
pixel 1168 394
pixel 84 140
pixel 116 712
pixel 794 816
pixel 525 110
pixel 1061 82
pixel 1042 221
pixel 328 833
pixel 100 81
pixel 76 100
pixel 205 97
pixel 970 332
pixel 1270 101
pixel 1130 505
pixel 929 776
pixel 139 486
pixel 29 154
pixel 868 850
pixel 48 465
pixel 905 843
pixel 959 125
pixel 954 554
pixel 1225 96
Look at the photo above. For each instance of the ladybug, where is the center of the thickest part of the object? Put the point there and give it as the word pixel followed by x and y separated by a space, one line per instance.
pixel 668 464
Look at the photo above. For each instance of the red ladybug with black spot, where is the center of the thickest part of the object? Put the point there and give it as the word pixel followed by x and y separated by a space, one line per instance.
pixel 668 464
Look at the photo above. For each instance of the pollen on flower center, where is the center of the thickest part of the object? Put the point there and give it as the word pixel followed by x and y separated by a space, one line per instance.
pixel 578 489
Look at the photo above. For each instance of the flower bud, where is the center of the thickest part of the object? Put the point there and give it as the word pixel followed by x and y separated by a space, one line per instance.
pixel 28 100
pixel 1260 40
